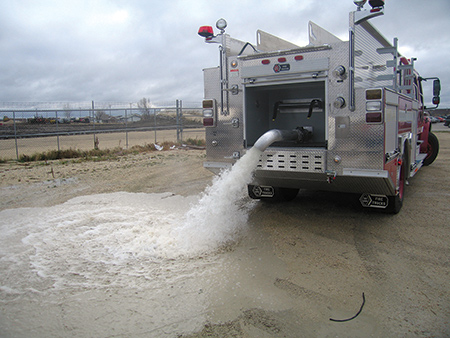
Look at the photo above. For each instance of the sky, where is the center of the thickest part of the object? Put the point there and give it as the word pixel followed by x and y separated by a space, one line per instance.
pixel 126 50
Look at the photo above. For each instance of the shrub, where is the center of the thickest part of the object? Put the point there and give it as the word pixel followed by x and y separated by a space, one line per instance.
pixel 101 154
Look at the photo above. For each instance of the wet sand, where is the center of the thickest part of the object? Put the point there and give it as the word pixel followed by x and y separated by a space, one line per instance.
pixel 292 267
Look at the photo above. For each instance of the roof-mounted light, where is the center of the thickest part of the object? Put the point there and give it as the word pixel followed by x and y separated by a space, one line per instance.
pixel 221 24
pixel 376 3
pixel 206 32
pixel 359 3
pixel 363 15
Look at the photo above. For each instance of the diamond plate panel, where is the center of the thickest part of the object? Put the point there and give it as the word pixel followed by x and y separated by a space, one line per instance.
pixel 356 143
pixel 225 141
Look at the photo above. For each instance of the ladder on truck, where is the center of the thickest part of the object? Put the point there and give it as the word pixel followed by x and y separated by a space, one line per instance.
pixel 402 76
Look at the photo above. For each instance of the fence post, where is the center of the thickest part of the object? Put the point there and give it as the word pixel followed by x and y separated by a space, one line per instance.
pixel 154 118
pixel 15 136
pixel 93 126
pixel 57 133
pixel 179 121
pixel 126 128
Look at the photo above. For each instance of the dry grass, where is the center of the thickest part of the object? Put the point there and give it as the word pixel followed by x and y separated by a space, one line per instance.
pixel 102 154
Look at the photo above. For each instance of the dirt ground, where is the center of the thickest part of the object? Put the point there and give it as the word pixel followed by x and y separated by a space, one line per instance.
pixel 298 265
pixel 30 146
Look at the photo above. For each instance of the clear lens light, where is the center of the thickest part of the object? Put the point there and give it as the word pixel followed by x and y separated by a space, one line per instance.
pixel 207 112
pixel 373 105
pixel 359 3
pixel 221 24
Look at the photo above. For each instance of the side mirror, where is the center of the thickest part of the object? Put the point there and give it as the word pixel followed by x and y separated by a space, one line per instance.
pixel 436 87
pixel 436 91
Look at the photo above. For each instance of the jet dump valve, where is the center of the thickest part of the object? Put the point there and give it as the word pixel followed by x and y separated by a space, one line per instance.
pixel 339 71
pixel 339 102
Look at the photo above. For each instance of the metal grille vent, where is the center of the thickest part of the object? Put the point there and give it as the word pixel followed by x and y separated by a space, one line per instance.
pixel 292 161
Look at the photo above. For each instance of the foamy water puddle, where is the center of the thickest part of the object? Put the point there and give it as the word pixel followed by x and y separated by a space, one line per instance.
pixel 124 240
pixel 93 240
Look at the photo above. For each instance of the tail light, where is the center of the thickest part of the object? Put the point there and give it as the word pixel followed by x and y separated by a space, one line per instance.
pixel 209 113
pixel 374 106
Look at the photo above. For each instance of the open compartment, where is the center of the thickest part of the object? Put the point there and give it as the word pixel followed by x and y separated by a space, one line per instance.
pixel 286 107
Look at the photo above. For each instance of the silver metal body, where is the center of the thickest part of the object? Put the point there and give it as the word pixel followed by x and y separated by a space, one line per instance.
pixel 346 153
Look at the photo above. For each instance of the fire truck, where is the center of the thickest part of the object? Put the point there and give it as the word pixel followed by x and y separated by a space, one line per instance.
pixel 343 116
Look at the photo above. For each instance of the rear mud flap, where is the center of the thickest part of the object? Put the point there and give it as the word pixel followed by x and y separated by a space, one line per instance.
pixel 374 201
pixel 263 191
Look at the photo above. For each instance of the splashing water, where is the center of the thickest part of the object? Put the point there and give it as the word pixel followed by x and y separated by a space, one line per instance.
pixel 127 264
pixel 217 218
pixel 121 238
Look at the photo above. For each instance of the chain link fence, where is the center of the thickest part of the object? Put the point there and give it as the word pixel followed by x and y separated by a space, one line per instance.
pixel 27 129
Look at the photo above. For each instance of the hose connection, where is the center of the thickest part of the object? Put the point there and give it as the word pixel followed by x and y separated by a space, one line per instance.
pixel 298 135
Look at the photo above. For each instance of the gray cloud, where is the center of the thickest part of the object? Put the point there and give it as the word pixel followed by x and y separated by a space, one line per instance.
pixel 122 51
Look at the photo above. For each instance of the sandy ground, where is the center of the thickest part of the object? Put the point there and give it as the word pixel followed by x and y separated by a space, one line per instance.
pixel 295 266
pixel 30 146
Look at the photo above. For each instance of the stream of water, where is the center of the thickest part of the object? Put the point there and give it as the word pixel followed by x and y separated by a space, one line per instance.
pixel 124 241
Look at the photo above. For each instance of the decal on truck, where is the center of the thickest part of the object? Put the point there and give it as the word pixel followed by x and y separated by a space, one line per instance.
pixel 281 68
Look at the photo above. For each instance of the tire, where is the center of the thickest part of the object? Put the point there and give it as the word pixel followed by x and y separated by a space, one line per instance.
pixel 288 194
pixel 432 149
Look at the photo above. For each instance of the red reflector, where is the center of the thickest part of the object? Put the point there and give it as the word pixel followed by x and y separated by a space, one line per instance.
pixel 298 57
pixel 375 10
pixel 265 62
pixel 208 122
pixel 374 118
pixel 281 60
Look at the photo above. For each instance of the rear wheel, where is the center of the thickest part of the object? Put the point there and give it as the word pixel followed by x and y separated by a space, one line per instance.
pixel 432 149
pixel 288 194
